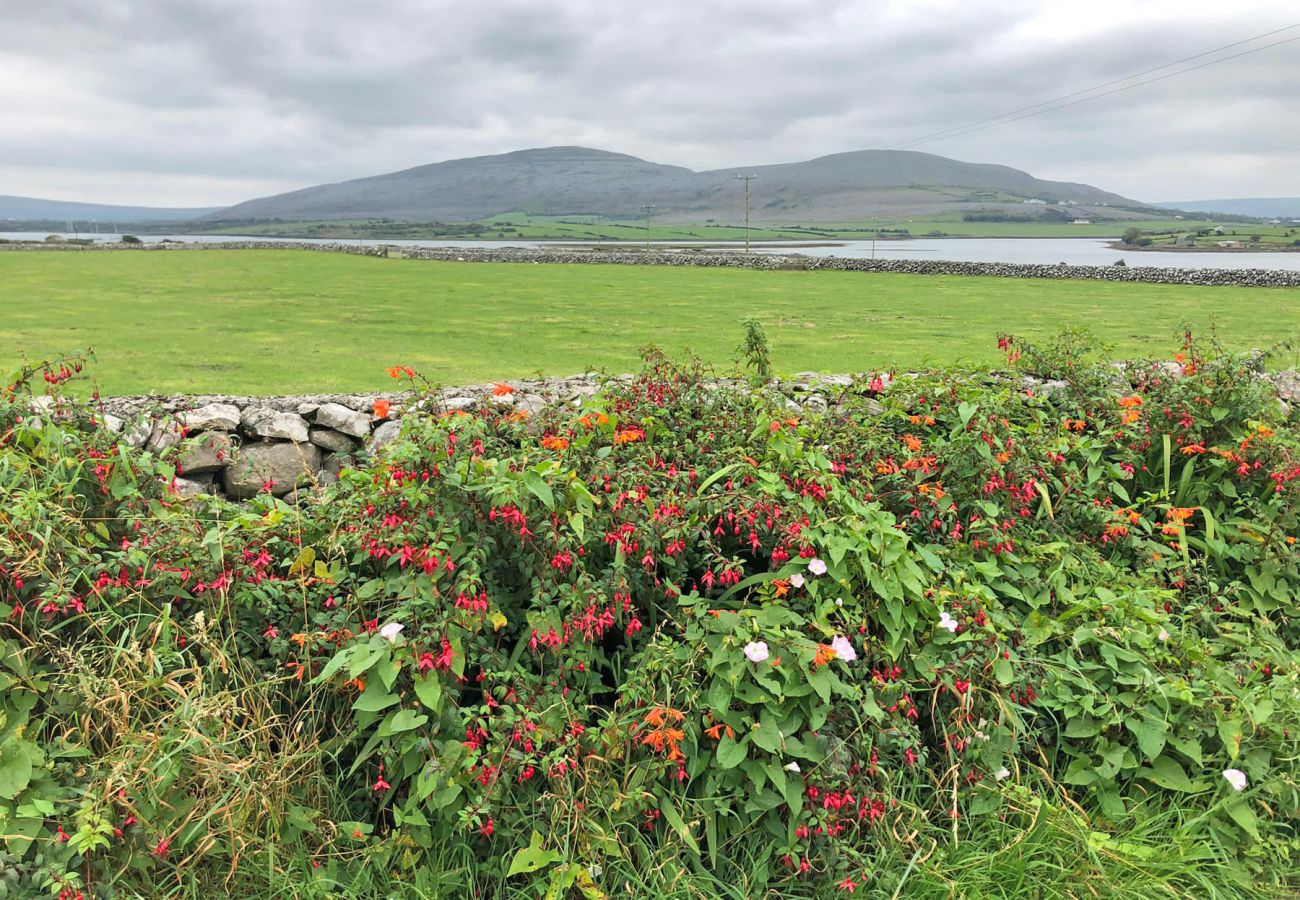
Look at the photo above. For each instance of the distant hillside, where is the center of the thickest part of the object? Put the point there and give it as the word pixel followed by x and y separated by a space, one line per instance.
pixel 1263 207
pixel 844 187
pixel 31 209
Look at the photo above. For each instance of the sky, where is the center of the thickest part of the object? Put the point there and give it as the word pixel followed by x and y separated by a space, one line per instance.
pixel 211 102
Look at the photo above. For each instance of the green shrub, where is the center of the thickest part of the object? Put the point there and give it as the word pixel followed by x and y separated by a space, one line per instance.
pixel 959 614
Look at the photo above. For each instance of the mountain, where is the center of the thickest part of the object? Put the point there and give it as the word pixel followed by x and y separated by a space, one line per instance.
pixel 844 187
pixel 31 209
pixel 1263 207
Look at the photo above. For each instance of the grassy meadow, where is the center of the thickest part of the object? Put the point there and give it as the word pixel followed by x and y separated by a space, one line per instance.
pixel 283 321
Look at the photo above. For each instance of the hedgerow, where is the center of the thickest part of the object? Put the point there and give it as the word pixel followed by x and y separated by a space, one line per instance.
pixel 682 634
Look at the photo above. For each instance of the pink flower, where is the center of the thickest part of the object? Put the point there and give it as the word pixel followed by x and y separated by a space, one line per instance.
pixel 756 651
pixel 947 621
pixel 390 631
pixel 816 566
pixel 1236 778
pixel 843 648
pixel 796 580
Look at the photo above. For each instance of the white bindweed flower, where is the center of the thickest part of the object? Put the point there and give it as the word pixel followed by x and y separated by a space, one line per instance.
pixel 1002 773
pixel 947 621
pixel 1236 778
pixel 796 580
pixel 1163 635
pixel 816 566
pixel 390 631
pixel 839 601
pixel 843 648
pixel 793 767
pixel 756 651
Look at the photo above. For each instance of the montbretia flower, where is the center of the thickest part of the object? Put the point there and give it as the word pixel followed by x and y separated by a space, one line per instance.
pixel 756 651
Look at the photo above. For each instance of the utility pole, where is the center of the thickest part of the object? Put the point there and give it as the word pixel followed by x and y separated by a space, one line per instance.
pixel 648 210
pixel 747 179
pixel 875 230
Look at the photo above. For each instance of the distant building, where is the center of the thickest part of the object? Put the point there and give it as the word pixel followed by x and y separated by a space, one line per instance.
pixel 1218 229
pixel 1186 240
pixel 1082 222
pixel 1035 201
pixel 1233 245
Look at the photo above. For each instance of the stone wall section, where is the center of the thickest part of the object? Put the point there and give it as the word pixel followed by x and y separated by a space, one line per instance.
pixel 239 446
pixel 727 259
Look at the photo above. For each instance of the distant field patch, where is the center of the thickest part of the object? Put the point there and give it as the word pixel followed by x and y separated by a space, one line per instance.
pixel 284 321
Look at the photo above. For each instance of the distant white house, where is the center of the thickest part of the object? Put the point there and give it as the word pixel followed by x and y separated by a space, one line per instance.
pixel 1035 201
pixel 1082 222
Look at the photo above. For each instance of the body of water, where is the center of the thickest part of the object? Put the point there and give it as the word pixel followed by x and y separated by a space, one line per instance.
pixel 1073 251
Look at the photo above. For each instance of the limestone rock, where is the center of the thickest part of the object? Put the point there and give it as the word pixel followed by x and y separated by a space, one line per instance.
pixel 268 423
pixel 461 402
pixel 282 466
pixel 208 452
pixel 188 488
pixel 1288 386
pixel 385 433
pixel 334 463
pixel 340 418
pixel 213 417
pixel 330 439
pixel 164 436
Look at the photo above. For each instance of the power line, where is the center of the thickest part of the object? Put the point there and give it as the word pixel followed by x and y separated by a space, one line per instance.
pixel 1026 112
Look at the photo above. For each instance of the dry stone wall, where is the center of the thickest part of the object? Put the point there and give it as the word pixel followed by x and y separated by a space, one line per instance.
pixel 241 446
pixel 710 259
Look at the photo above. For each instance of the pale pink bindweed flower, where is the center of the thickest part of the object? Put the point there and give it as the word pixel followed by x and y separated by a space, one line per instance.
pixel 816 566
pixel 1236 778
pixel 843 648
pixel 796 580
pixel 947 621
pixel 756 651
pixel 390 631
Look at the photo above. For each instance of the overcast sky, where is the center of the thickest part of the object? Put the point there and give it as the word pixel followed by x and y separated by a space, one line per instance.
pixel 209 102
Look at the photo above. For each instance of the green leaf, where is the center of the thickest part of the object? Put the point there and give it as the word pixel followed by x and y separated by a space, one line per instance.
pixel 730 752
pixel 540 489
pixel 374 698
pixel 15 768
pixel 403 720
pixel 429 690
pixel 1151 736
pixel 674 819
pixel 1243 815
pixel 1167 773
pixel 1005 675
pixel 966 411
pixel 532 857
pixel 766 736
pixel 1230 734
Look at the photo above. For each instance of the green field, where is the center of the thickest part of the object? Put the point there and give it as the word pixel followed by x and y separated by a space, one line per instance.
pixel 283 321
pixel 521 226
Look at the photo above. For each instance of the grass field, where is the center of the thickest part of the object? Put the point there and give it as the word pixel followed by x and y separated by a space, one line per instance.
pixel 520 226
pixel 283 321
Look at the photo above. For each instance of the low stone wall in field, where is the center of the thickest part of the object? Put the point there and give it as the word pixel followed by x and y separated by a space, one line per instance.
pixel 241 446
pixel 728 259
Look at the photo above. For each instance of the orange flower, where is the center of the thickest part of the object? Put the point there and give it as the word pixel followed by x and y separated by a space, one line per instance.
pixel 551 442
pixel 1193 450
pixel 1130 402
pixel 781 588
pixel 912 443
pixel 1130 416
pixel 381 407
pixel 518 415
pixel 399 371
pixel 630 436
pixel 1181 513
pixel 1003 456
pixel 921 420
pixel 591 420
pixel 502 390
pixel 825 653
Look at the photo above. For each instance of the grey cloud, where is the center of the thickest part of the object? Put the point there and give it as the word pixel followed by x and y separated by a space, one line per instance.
pixel 217 96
